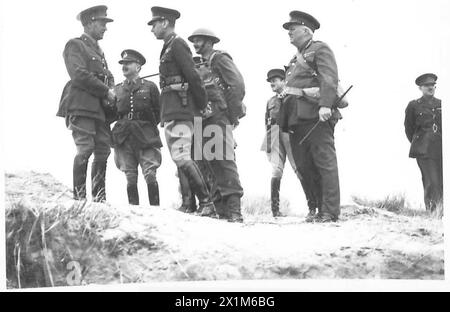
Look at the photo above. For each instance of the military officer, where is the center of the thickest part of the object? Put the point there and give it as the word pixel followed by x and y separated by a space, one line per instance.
pixel 313 65
pixel 276 143
pixel 135 135
pixel 183 96
pixel 84 102
pixel 225 89
pixel 423 127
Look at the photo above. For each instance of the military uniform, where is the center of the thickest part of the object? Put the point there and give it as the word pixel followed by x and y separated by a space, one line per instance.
pixel 135 134
pixel 423 128
pixel 182 98
pixel 84 105
pixel 313 66
pixel 220 73
pixel 276 144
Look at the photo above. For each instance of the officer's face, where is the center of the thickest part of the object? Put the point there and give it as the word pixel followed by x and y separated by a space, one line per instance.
pixel 97 29
pixel 428 89
pixel 277 84
pixel 199 44
pixel 158 29
pixel 130 69
pixel 297 34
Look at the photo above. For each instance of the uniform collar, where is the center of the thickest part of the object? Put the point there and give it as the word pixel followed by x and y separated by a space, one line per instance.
pixel 425 99
pixel 169 38
pixel 91 41
pixel 305 46
pixel 132 81
pixel 89 37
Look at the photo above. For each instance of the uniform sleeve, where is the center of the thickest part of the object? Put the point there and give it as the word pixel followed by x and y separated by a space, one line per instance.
pixel 231 75
pixel 235 82
pixel 154 95
pixel 78 71
pixel 410 121
pixel 327 72
pixel 183 57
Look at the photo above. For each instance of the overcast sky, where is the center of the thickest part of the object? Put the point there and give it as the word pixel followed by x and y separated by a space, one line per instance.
pixel 380 47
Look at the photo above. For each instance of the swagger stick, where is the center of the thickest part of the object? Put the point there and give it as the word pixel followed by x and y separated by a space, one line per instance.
pixel 317 123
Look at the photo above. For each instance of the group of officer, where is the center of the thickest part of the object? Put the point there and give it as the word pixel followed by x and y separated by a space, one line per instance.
pixel 300 118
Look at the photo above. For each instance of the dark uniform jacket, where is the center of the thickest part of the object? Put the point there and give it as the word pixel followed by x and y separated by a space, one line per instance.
pixel 423 127
pixel 176 63
pixel 86 92
pixel 138 114
pixel 315 66
pixel 231 81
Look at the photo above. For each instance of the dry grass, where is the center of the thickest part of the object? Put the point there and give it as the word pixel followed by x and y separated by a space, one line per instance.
pixel 42 240
pixel 398 204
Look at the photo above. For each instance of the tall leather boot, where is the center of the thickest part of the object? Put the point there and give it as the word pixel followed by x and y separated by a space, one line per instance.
pixel 275 197
pixel 98 174
pixel 80 165
pixel 153 193
pixel 133 194
pixel 188 203
pixel 199 187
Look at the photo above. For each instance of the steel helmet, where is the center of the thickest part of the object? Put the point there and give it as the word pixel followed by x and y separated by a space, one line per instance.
pixel 203 32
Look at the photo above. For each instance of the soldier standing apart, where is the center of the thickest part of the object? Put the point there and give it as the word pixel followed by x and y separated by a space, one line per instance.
pixel 225 89
pixel 313 65
pixel 135 135
pixel 276 143
pixel 423 127
pixel 183 96
pixel 84 102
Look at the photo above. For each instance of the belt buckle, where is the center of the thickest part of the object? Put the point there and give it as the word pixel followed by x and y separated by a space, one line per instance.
pixel 130 116
pixel 435 128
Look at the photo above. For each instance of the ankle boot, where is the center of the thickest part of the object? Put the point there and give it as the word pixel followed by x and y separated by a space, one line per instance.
pixel 80 164
pixel 133 194
pixel 153 193
pixel 98 175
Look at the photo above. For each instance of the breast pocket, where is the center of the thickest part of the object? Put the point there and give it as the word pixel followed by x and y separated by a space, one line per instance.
pixel 96 64
pixel 142 99
pixel 424 119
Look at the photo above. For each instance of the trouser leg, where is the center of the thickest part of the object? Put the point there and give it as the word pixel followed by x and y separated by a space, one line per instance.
pixel 305 170
pixel 431 170
pixel 323 155
pixel 219 152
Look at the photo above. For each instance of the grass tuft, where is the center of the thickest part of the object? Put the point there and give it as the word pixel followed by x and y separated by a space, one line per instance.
pixel 398 204
pixel 42 240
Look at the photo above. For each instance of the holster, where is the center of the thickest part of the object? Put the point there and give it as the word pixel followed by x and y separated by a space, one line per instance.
pixel 181 89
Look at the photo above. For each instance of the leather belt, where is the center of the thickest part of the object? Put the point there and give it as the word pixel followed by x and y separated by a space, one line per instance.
pixel 166 81
pixel 133 116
